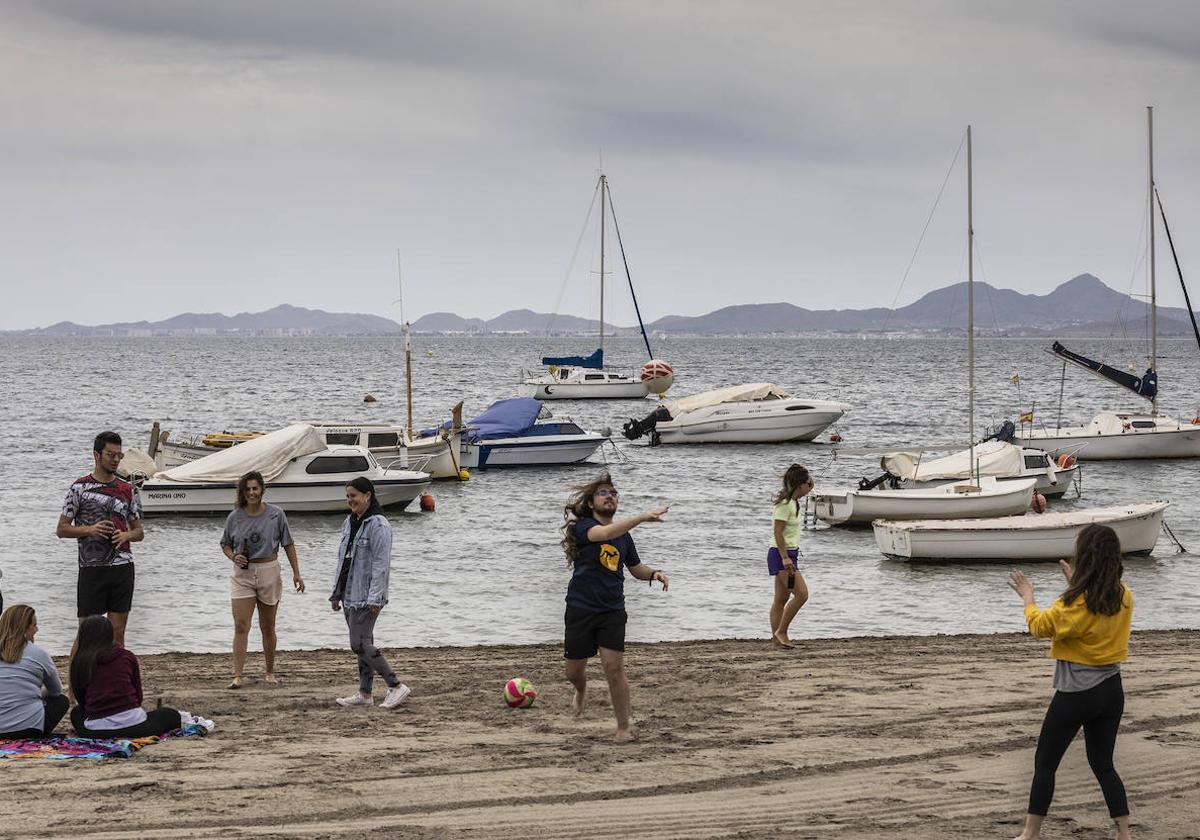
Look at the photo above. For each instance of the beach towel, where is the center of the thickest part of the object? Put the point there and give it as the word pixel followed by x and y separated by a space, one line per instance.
pixel 60 747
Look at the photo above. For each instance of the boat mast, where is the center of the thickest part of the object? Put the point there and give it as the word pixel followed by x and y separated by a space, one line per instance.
pixel 407 348
pixel 603 198
pixel 970 310
pixel 1150 217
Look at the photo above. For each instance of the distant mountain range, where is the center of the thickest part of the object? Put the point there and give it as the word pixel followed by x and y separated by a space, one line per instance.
pixel 1081 306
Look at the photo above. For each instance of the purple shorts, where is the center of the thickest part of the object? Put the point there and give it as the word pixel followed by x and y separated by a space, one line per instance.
pixel 775 562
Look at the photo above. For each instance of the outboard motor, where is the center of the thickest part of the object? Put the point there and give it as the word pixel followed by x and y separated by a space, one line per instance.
pixel 871 484
pixel 1004 434
pixel 635 429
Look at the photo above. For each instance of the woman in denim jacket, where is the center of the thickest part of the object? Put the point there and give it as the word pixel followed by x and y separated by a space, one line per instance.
pixel 361 587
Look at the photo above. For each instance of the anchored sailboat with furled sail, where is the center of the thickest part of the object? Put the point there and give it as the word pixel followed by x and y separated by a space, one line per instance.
pixel 584 377
pixel 1118 435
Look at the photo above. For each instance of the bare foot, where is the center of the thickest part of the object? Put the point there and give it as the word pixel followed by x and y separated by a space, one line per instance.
pixel 578 701
pixel 271 679
pixel 236 682
pixel 624 736
pixel 782 641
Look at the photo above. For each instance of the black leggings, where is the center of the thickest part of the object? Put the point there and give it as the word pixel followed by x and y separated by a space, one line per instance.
pixel 157 722
pixel 56 707
pixel 1098 710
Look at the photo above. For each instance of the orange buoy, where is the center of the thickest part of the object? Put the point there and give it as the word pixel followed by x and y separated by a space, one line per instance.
pixel 1065 461
pixel 1038 503
pixel 427 502
pixel 1196 420
pixel 835 438
pixel 370 398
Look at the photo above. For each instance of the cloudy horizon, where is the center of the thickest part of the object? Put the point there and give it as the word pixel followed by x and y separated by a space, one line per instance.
pixel 162 158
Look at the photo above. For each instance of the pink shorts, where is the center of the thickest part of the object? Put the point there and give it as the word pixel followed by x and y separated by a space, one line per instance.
pixel 263 581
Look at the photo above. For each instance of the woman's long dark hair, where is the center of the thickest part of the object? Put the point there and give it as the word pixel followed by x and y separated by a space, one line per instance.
pixel 95 641
pixel 253 475
pixel 364 485
pixel 1098 568
pixel 579 506
pixel 793 478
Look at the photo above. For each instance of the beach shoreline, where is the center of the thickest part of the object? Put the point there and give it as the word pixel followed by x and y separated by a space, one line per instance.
pixel 861 737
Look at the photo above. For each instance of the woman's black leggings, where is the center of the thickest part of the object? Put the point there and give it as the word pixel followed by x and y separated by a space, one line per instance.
pixel 1098 710
pixel 158 722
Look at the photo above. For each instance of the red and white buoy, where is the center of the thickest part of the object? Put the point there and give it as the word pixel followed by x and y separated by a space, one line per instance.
pixel 657 376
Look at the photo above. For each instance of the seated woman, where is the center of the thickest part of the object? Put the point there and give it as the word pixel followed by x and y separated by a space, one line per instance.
pixel 31 697
pixel 107 682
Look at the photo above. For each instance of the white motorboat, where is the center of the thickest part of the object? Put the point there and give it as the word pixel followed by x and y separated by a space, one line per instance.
pixel 754 413
pixel 985 497
pixel 389 442
pixel 1116 435
pixel 521 432
pixel 1047 536
pixel 302 474
pixel 584 377
pixel 1004 461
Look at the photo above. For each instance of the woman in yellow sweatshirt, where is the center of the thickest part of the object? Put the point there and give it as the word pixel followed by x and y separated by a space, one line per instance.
pixel 1089 626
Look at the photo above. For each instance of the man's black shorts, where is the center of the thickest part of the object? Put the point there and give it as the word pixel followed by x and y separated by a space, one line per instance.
pixel 588 631
pixel 104 589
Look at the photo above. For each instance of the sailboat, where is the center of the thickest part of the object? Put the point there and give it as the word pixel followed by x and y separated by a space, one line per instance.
pixel 1120 435
pixel 977 496
pixel 584 377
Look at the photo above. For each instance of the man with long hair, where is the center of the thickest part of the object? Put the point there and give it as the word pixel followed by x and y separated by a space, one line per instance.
pixel 104 514
pixel 598 550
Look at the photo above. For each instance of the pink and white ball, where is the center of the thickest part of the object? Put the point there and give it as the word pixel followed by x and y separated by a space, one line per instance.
pixel 657 376
pixel 519 693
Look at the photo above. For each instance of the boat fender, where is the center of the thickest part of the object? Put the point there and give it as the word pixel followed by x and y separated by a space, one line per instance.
pixel 464 474
pixel 1038 503
pixel 835 438
pixel 370 398
pixel 1196 420
pixel 427 502
pixel 1066 461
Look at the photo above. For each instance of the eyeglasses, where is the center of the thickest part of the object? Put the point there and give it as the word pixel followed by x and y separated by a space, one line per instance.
pixel 111 454
pixel 606 493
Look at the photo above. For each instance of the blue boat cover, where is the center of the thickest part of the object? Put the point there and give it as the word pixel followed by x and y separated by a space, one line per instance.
pixel 501 419
pixel 595 361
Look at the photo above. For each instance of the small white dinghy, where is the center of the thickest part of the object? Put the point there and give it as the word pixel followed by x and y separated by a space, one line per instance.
pixel 1047 536
pixel 960 500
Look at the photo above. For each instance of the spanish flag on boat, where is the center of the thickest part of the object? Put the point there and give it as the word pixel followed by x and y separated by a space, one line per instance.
pixel 1026 417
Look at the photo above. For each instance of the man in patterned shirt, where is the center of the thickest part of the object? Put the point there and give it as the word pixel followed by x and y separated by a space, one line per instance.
pixel 104 514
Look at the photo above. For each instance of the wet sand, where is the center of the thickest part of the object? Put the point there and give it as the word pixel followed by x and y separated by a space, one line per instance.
pixel 856 738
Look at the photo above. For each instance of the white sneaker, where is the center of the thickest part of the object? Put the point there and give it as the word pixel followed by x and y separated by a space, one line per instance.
pixel 356 699
pixel 395 696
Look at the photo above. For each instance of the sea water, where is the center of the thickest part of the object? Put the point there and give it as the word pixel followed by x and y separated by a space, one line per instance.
pixel 487 566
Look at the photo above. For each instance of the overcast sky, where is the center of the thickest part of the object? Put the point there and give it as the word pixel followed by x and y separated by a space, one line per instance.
pixel 232 155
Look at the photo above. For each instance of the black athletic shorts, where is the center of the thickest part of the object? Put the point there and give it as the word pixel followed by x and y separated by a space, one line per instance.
pixel 104 589
pixel 588 631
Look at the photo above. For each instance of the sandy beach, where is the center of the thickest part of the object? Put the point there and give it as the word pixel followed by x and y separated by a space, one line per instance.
pixel 862 738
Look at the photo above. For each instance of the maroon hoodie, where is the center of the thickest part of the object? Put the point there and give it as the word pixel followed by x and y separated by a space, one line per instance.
pixel 115 687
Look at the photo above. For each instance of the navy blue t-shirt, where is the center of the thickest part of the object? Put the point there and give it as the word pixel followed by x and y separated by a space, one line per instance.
pixel 598 582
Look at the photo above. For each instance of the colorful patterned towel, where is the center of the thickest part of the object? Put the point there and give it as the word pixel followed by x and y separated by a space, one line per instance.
pixel 60 747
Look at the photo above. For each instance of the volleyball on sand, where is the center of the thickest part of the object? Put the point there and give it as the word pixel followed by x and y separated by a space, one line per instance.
pixel 519 693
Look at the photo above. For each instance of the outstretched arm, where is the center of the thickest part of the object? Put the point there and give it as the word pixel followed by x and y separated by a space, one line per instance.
pixel 620 527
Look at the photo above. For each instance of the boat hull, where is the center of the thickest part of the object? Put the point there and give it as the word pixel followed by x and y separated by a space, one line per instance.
pixel 539 451
pixel 1181 442
pixel 583 391
pixel 1033 537
pixel 159 497
pixel 1056 489
pixel 761 423
pixel 861 507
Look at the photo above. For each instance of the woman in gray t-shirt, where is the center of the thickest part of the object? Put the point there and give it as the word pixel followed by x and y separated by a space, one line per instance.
pixel 254 533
